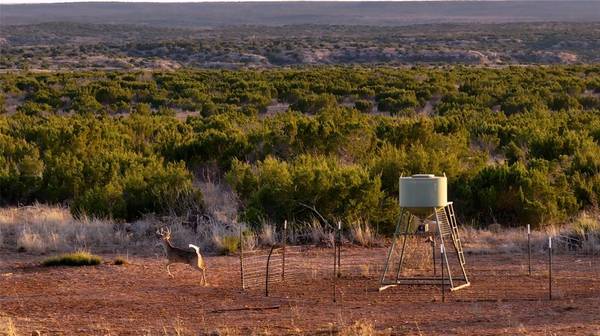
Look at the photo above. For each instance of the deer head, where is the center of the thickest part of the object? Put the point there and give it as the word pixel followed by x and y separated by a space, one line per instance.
pixel 164 234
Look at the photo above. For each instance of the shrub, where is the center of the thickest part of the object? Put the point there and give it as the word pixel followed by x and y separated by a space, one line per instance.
pixel 80 258
pixel 585 225
pixel 517 194
pixel 364 106
pixel 120 261
pixel 144 189
pixel 277 190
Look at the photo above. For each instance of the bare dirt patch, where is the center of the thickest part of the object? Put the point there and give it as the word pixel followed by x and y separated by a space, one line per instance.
pixel 139 298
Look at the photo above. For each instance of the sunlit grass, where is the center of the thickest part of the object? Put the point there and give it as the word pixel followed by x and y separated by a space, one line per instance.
pixel 80 258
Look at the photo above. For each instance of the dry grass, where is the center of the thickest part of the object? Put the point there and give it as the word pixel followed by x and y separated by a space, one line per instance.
pixel 120 261
pixel 220 201
pixel 317 234
pixel 584 229
pixel 362 234
pixel 358 328
pixel 225 331
pixel 42 229
pixel 177 329
pixel 268 236
pixel 7 327
pixel 586 224
pixel 45 229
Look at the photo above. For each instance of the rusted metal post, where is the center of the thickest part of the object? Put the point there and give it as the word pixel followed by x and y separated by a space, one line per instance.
pixel 284 242
pixel 242 258
pixel 334 266
pixel 529 247
pixel 550 267
pixel 442 252
pixel 339 249
pixel 267 272
pixel 433 254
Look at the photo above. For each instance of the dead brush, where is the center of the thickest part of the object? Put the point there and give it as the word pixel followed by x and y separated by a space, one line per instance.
pixel 359 328
pixel 41 229
pixel 582 234
pixel 362 234
pixel 317 234
pixel 267 236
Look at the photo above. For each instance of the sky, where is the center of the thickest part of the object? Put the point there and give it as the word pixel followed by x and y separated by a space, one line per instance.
pixel 166 1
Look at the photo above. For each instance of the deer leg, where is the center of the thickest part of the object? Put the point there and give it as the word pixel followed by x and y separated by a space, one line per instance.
pixel 169 271
pixel 203 275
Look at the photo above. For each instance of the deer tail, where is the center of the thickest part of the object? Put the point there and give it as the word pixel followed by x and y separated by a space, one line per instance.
pixel 195 248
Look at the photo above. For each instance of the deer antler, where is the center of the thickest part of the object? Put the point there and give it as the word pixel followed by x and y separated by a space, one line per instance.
pixel 164 233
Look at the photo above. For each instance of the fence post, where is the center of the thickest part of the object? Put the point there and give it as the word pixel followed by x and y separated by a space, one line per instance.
pixel 334 266
pixel 433 255
pixel 442 252
pixel 339 250
pixel 242 258
pixel 550 267
pixel 284 242
pixel 529 247
pixel 267 272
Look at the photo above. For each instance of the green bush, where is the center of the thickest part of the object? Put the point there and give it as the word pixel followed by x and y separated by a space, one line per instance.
pixel 278 190
pixel 153 188
pixel 518 144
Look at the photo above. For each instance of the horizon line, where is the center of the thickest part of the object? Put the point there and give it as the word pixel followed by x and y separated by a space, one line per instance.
pixel 43 2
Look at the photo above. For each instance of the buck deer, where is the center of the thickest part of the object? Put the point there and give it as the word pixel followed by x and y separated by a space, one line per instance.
pixel 177 255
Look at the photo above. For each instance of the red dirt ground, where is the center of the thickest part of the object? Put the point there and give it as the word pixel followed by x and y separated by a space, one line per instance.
pixel 140 299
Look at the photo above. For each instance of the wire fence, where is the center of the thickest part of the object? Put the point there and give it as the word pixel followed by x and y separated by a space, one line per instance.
pixel 315 273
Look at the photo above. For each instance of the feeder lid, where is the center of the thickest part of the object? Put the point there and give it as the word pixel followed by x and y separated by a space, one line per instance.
pixel 423 176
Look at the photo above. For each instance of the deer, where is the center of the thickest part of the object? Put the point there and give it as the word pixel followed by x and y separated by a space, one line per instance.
pixel 178 255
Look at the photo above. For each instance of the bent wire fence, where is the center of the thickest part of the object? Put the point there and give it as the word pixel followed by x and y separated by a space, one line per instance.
pixel 343 272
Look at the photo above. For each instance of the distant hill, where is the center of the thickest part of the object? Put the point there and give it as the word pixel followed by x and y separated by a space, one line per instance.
pixel 207 15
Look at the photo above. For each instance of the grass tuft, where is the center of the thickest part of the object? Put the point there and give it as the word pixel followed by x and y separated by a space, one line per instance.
pixel 80 258
pixel 7 327
pixel 230 244
pixel 359 328
pixel 119 261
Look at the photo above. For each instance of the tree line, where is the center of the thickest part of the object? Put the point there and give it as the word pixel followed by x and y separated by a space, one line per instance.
pixel 519 144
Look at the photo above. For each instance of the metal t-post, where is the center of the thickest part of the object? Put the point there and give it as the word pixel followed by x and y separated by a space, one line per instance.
pixel 284 242
pixel 433 254
pixel 442 253
pixel 267 271
pixel 339 249
pixel 550 268
pixel 334 267
pixel 242 258
pixel 529 247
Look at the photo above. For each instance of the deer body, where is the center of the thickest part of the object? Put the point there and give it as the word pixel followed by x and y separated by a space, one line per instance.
pixel 177 255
